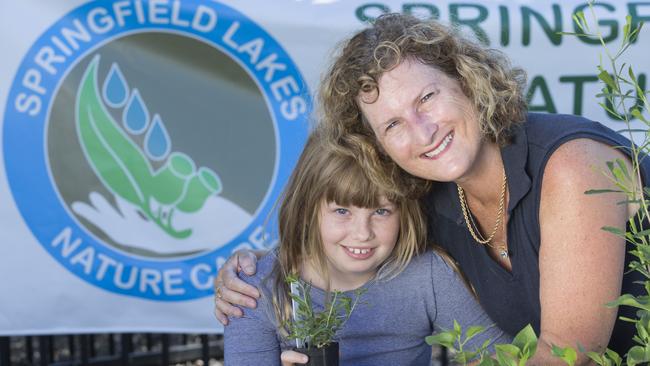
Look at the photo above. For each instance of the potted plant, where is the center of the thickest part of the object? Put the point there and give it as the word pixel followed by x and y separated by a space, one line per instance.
pixel 314 332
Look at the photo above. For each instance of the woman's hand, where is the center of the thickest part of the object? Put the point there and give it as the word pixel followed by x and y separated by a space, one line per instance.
pixel 289 358
pixel 229 290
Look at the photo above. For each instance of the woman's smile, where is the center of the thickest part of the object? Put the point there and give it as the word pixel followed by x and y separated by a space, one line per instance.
pixel 441 148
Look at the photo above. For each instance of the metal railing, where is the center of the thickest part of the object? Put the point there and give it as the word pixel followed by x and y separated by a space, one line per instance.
pixel 135 349
pixel 111 349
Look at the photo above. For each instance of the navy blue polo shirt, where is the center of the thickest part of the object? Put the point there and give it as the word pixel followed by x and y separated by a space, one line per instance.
pixel 512 298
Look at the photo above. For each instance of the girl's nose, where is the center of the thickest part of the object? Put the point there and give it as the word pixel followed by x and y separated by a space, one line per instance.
pixel 363 229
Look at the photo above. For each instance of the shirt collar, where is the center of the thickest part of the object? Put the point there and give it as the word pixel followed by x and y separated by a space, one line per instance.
pixel 515 159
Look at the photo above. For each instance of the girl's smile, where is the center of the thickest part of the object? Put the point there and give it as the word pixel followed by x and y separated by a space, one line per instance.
pixel 359 253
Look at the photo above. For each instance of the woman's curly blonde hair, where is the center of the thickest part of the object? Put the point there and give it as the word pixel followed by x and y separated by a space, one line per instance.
pixel 485 76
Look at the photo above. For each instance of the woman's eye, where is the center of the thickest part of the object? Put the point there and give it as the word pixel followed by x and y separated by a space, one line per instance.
pixel 391 125
pixel 426 97
pixel 382 211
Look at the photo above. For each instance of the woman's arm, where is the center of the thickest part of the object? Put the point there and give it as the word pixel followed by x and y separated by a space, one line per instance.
pixel 581 266
pixel 251 340
pixel 229 290
pixel 248 341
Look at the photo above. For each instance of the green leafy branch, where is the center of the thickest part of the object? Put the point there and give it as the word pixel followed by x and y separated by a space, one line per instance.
pixel 619 86
pixel 318 329
pixel 521 349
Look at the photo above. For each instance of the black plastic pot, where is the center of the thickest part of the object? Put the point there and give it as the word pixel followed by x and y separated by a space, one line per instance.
pixel 326 356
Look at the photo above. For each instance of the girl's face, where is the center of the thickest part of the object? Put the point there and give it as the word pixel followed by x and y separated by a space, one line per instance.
pixel 357 240
pixel 424 122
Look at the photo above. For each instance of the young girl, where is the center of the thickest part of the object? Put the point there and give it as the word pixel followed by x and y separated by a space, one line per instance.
pixel 339 231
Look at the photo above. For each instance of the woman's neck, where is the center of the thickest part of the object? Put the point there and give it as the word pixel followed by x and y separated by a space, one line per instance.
pixel 483 181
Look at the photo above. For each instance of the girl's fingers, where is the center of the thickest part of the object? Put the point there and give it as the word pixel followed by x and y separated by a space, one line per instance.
pixel 289 358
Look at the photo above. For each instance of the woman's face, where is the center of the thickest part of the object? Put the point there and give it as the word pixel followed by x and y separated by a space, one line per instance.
pixel 424 122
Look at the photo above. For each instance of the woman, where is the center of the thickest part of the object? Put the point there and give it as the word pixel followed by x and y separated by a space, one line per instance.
pixel 505 187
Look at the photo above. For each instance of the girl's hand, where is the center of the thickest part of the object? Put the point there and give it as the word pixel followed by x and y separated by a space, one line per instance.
pixel 289 358
pixel 229 290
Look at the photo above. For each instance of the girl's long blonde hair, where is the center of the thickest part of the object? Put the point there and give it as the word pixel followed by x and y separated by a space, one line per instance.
pixel 326 174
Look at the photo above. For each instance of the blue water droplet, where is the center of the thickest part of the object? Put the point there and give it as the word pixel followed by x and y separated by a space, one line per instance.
pixel 136 115
pixel 157 143
pixel 115 89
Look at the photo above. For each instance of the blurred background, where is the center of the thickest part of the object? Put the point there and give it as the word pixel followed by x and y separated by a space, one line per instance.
pixel 142 142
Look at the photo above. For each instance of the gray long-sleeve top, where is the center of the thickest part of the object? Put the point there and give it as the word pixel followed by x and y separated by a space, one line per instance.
pixel 388 327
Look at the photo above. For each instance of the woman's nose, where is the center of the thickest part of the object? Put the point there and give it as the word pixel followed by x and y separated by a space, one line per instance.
pixel 424 130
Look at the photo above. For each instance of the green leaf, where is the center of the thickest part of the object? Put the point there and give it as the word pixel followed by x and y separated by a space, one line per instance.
pixel 486 343
pixel 510 349
pixel 580 20
pixel 614 357
pixel 445 339
pixel 504 358
pixel 642 233
pixel 473 331
pixel 487 361
pixel 626 27
pixel 636 113
pixel 567 354
pixel 631 74
pixel 636 355
pixel 464 357
pixel 614 230
pixel 607 79
pixel 526 340
pixel 629 300
pixel 623 169
pixel 626 319
pixel 610 110
pixel 628 130
pixel 572 34
pixel 597 358
pixel 642 332
pixel 599 191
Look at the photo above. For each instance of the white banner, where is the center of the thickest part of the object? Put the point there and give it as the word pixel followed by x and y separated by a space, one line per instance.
pixel 142 141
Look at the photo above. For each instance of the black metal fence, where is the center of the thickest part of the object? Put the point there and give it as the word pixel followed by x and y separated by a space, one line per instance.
pixel 112 349
pixel 123 349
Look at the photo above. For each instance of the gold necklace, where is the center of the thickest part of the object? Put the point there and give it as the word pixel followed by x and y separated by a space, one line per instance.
pixel 501 248
pixel 471 225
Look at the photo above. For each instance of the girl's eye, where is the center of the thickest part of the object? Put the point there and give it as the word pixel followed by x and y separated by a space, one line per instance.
pixel 341 211
pixel 382 211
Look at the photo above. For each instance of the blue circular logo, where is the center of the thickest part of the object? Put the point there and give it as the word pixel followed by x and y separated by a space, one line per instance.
pixel 145 141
